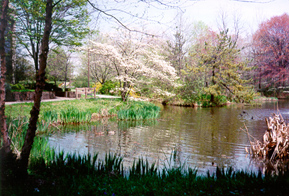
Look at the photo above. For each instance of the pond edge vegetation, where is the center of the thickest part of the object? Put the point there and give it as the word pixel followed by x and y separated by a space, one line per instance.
pixel 72 174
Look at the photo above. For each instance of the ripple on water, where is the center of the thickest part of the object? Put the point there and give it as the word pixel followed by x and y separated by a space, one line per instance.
pixel 202 138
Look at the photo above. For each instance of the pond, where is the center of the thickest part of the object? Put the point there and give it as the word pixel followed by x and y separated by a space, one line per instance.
pixel 200 138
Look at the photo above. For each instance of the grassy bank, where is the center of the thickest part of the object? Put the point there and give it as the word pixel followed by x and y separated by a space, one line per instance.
pixel 77 111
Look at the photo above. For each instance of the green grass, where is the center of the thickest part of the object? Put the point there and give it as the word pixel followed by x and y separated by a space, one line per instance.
pixel 74 115
pixel 76 111
pixel 25 90
pixel 139 112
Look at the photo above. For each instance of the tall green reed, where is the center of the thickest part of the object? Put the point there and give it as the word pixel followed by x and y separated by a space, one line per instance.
pixel 17 131
pixel 42 149
pixel 111 163
pixel 139 112
pixel 142 167
pixel 73 115
pixel 49 116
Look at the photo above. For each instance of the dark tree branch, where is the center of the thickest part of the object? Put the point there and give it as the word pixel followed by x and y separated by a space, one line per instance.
pixel 117 20
pixel 55 4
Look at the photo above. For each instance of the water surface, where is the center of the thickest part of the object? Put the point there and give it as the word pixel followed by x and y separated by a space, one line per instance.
pixel 202 138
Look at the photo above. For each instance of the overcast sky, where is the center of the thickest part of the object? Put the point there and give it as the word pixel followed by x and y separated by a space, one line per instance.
pixel 251 14
pixel 208 11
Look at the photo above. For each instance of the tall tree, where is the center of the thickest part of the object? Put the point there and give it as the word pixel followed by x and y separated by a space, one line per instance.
pixel 194 82
pixel 177 50
pixel 100 68
pixel 13 47
pixel 271 50
pixel 40 82
pixel 176 46
pixel 136 64
pixel 219 59
pixel 3 126
pixel 24 69
pixel 69 24
pixel 58 65
pixel 10 46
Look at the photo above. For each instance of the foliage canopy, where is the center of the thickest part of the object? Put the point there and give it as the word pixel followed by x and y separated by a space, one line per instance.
pixel 219 61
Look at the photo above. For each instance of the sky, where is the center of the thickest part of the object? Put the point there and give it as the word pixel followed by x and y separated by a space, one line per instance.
pixel 160 18
pixel 251 14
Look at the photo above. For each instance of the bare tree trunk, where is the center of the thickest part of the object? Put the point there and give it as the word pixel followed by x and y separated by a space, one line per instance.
pixel 260 80
pixel 13 46
pixel 213 82
pixel 124 91
pixel 65 76
pixel 3 126
pixel 40 82
pixel 88 66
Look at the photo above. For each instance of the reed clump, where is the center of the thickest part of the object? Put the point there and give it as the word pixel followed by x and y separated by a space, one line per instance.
pixel 49 116
pixel 74 116
pixel 143 111
pixel 17 129
pixel 80 111
pixel 275 144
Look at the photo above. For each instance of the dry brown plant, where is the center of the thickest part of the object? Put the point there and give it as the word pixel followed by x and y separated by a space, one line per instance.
pixel 275 144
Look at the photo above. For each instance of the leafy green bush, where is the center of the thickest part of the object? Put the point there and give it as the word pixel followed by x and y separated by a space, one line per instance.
pixel 17 87
pixel 205 100
pixel 107 87
pixel 220 100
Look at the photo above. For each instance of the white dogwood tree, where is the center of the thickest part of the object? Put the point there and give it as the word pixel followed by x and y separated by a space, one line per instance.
pixel 135 65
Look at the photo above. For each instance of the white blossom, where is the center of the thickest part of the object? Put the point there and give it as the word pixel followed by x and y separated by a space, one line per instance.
pixel 135 64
